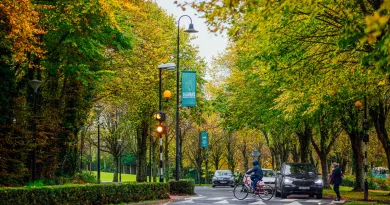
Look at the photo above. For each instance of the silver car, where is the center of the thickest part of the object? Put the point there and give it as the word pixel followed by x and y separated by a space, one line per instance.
pixel 269 177
pixel 223 178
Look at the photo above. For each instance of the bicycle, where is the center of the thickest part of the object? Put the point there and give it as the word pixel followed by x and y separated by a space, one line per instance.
pixel 242 189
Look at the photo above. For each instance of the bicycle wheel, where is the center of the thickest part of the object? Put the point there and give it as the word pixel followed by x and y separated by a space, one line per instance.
pixel 240 191
pixel 266 192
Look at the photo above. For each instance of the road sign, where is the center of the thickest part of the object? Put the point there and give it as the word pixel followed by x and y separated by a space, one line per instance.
pixel 204 139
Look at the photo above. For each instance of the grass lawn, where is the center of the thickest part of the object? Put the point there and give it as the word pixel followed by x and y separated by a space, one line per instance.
pixel 373 195
pixel 362 203
pixel 107 177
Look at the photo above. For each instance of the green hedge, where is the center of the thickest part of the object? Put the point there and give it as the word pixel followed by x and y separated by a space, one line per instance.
pixel 184 186
pixel 84 194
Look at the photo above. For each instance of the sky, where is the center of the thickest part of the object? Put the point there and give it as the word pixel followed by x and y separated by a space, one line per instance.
pixel 209 44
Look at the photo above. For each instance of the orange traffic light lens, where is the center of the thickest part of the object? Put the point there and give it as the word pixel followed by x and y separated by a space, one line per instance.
pixel 160 129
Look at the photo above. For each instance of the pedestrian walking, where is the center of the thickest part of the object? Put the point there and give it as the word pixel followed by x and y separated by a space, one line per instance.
pixel 336 179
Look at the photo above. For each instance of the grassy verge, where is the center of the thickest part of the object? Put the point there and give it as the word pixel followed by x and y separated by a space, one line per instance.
pixel 361 203
pixel 373 195
pixel 107 177
pixel 202 184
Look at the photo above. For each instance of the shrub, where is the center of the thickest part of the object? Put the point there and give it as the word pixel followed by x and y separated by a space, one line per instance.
pixel 348 180
pixel 184 186
pixel 383 184
pixel 85 177
pixel 84 194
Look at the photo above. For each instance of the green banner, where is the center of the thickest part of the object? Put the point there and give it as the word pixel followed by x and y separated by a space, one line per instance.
pixel 204 139
pixel 188 88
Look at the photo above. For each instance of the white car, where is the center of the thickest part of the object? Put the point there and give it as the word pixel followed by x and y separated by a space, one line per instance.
pixel 269 177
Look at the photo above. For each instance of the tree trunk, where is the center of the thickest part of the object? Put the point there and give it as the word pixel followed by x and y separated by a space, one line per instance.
pixel 230 153
pixel 245 156
pixel 116 162
pixel 324 168
pixel 142 137
pixel 304 143
pixel 216 162
pixel 378 115
pixel 295 153
pixel 356 143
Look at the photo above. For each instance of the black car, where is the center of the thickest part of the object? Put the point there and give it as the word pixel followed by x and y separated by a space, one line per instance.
pixel 223 178
pixel 298 178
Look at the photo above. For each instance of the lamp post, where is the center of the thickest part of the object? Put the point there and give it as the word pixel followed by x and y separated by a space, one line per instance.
pixel 119 160
pixel 98 107
pixel 167 94
pixel 35 85
pixel 189 30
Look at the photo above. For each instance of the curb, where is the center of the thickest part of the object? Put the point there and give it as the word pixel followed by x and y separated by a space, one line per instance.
pixel 161 201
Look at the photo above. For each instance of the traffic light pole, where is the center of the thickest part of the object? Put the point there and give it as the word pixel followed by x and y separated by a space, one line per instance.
pixel 159 123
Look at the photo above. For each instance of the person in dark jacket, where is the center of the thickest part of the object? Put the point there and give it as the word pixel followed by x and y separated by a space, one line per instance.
pixel 336 180
pixel 257 174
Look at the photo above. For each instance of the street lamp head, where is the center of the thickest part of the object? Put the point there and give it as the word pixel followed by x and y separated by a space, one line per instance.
pixel 358 104
pixel 35 84
pixel 255 154
pixel 168 66
pixel 191 29
pixel 167 94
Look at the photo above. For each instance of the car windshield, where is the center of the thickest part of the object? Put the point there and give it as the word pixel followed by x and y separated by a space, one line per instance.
pixel 223 173
pixel 299 169
pixel 268 173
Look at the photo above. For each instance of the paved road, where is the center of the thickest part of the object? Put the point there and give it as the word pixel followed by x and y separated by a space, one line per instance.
pixel 221 195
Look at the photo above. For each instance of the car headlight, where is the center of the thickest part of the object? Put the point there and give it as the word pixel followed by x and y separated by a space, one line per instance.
pixel 319 181
pixel 288 181
pixel 214 178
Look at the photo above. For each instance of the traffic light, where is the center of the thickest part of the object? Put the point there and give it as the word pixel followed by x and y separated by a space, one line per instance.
pixel 160 116
pixel 161 129
pixel 364 137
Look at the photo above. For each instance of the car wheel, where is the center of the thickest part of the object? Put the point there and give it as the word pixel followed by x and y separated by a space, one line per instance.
pixel 277 194
pixel 319 196
pixel 213 185
pixel 232 186
pixel 282 194
pixel 311 195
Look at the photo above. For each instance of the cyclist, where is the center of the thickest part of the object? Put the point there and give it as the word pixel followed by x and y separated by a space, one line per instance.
pixel 257 174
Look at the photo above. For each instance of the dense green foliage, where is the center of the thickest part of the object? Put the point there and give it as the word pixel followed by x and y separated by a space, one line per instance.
pixel 184 186
pixel 85 194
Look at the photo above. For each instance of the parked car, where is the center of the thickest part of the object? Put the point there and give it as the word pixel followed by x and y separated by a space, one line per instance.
pixel 223 178
pixel 298 178
pixel 269 177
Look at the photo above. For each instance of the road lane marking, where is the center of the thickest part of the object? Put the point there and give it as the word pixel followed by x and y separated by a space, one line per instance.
pixel 217 198
pixel 222 202
pixel 196 197
pixel 258 202
pixel 188 201
pixel 313 200
pixel 294 203
pixel 287 200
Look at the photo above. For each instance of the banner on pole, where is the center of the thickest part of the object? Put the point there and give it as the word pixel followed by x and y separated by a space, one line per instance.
pixel 188 88
pixel 204 139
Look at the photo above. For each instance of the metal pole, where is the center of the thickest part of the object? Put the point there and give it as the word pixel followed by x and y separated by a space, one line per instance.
pixel 365 153
pixel 34 152
pixel 161 161
pixel 98 151
pixel 120 169
pixel 159 108
pixel 177 103
pixel 150 158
